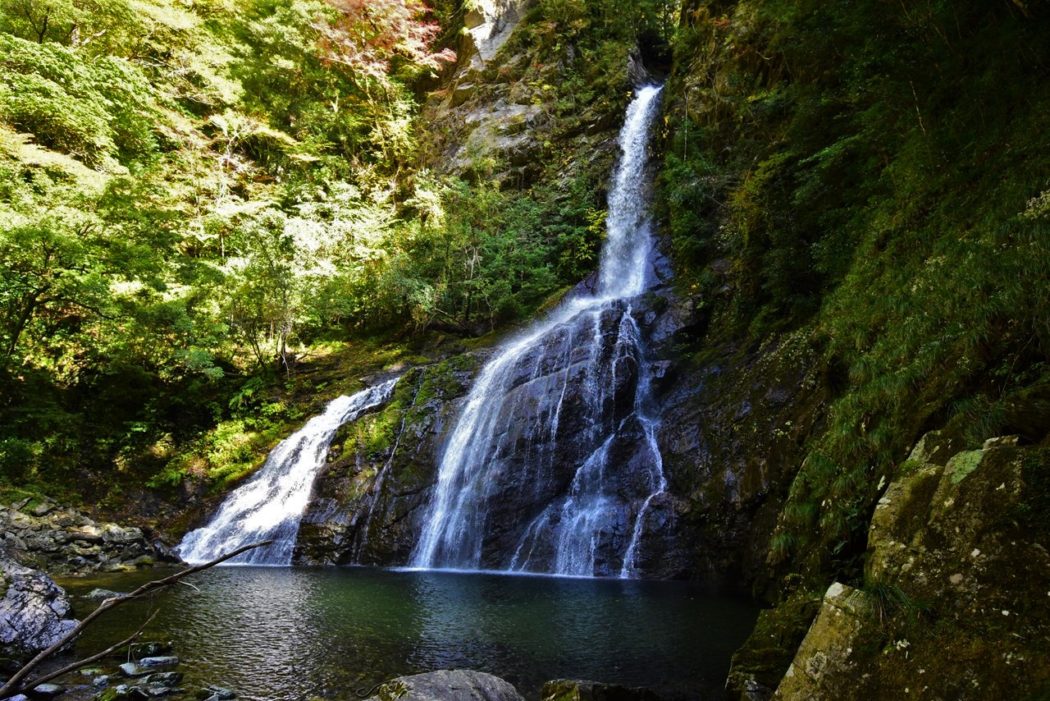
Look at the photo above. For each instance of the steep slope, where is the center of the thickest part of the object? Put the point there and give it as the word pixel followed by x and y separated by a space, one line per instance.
pixel 856 203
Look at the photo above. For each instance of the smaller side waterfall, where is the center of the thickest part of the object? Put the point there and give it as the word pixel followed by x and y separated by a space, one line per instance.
pixel 270 505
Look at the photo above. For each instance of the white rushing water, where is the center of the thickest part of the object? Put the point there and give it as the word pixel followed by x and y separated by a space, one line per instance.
pixel 583 355
pixel 270 505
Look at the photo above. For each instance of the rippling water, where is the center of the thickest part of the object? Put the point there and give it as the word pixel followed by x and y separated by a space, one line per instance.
pixel 278 633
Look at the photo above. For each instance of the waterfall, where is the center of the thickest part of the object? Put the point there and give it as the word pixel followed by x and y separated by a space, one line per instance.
pixel 553 463
pixel 270 504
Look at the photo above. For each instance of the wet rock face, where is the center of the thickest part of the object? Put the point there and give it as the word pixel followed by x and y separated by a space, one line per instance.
pixel 729 437
pixel 734 424
pixel 34 611
pixel 368 503
pixel 957 579
pixel 63 541
pixel 447 685
pixel 367 506
pixel 491 22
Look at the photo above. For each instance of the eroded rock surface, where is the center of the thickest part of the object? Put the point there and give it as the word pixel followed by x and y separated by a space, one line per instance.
pixel 61 540
pixel 34 611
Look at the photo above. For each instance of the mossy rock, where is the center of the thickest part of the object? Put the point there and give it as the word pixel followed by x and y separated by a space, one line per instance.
pixel 760 663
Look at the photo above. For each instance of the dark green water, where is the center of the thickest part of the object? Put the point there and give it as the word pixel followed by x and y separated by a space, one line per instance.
pixel 279 633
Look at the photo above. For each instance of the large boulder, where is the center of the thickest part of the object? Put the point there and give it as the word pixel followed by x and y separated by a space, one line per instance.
pixel 34 611
pixel 447 685
pixel 832 651
pixel 956 599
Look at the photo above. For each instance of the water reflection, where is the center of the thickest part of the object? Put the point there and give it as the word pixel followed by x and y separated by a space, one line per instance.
pixel 300 633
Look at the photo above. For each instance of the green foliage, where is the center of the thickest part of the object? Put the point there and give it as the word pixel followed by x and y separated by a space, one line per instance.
pixel 189 195
pixel 884 191
pixel 891 602
pixel 194 198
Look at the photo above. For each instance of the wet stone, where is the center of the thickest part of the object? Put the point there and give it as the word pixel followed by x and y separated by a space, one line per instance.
pixel 102 594
pixel 131 669
pixel 123 692
pixel 46 691
pixel 150 649
pixel 164 678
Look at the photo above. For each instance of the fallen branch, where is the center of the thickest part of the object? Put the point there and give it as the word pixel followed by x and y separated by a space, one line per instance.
pixel 15 685
pixel 87 660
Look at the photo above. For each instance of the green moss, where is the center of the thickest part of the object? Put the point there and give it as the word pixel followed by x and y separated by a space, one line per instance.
pixel 768 651
pixel 961 465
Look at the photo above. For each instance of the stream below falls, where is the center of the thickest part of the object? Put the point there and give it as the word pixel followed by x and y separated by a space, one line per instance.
pixel 302 633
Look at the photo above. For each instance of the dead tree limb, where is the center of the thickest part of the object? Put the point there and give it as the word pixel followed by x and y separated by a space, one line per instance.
pixel 15 684
pixel 87 660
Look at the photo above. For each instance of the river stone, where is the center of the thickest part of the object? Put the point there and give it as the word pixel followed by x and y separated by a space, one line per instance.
pixel 61 540
pixel 164 678
pixel 162 661
pixel 447 685
pixel 160 690
pixel 150 649
pixel 102 594
pixel 46 691
pixel 131 669
pixel 583 690
pixel 34 611
pixel 123 692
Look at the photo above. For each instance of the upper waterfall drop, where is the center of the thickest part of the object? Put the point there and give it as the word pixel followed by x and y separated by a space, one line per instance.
pixel 270 505
pixel 622 269
pixel 553 463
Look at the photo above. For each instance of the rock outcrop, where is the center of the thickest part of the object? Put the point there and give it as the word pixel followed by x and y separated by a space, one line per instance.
pixel 368 503
pixel 956 602
pixel 61 540
pixel 34 611
pixel 447 685
pixel 491 22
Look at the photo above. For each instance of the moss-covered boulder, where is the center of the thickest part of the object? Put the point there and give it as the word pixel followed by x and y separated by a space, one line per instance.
pixel 760 663
pixel 447 685
pixel 830 653
pixel 956 601
pixel 582 690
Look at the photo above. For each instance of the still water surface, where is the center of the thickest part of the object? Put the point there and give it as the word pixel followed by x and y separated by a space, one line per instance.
pixel 295 633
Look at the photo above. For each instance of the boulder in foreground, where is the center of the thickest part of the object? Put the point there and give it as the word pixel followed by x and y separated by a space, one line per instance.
pixel 447 685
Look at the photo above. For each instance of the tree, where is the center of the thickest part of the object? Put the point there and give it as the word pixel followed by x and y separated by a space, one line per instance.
pixel 371 36
pixel 48 267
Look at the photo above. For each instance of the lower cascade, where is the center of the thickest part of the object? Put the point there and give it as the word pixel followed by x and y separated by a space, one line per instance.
pixel 553 464
pixel 270 505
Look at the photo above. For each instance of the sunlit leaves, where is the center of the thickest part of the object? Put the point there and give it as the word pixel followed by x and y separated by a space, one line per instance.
pixel 371 36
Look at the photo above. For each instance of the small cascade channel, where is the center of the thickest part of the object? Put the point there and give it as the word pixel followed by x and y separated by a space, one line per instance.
pixel 270 505
pixel 553 464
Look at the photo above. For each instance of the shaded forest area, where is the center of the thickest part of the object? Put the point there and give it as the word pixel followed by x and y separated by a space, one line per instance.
pixel 870 180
